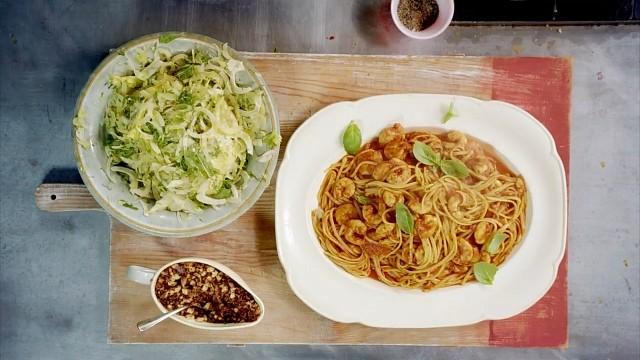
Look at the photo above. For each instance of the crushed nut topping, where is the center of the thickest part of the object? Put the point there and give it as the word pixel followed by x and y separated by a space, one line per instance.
pixel 211 295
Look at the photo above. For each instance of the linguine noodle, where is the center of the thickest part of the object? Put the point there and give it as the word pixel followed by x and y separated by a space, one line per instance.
pixel 455 218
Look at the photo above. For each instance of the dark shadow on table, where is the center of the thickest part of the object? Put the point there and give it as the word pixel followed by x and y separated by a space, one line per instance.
pixel 59 175
pixel 373 21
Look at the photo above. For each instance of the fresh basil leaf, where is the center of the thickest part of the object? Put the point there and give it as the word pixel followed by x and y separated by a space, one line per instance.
pixel 362 200
pixel 167 38
pixel 404 219
pixel 449 114
pixel 455 168
pixel 352 138
pixel 484 272
pixel 425 154
pixel 494 244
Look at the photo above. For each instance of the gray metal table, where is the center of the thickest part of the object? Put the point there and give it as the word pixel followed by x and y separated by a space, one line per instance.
pixel 53 276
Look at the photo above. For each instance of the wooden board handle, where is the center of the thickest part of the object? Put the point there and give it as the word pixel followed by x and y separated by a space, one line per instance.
pixel 64 197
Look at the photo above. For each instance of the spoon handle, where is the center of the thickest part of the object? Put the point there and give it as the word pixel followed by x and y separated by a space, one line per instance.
pixel 145 325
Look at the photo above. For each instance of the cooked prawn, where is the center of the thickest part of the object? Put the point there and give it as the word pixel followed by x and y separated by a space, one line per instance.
pixel 426 226
pixel 396 149
pixel 396 132
pixel 390 199
pixel 344 188
pixel 400 174
pixel 355 230
pixel 383 231
pixel 368 155
pixel 418 207
pixel 345 213
pixel 381 171
pixel 370 215
pixel 465 252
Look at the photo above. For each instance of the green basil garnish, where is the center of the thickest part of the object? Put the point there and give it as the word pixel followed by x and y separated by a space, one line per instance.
pixel 404 219
pixel 484 272
pixel 352 138
pixel 425 154
pixel 362 200
pixel 449 114
pixel 494 244
pixel 455 168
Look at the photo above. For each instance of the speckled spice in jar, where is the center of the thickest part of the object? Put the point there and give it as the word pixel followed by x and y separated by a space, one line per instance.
pixel 418 15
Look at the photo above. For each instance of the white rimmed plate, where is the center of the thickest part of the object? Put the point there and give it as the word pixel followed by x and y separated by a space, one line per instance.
pixel 522 279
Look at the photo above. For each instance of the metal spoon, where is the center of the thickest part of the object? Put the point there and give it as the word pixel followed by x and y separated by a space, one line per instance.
pixel 145 325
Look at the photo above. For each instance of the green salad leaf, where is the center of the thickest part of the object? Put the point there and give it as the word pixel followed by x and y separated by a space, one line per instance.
pixel 180 131
pixel 272 139
pixel 79 130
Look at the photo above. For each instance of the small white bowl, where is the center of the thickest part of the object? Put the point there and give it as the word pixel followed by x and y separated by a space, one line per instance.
pixel 445 15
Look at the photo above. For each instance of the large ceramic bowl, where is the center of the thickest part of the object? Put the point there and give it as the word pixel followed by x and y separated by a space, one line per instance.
pixel 522 142
pixel 111 192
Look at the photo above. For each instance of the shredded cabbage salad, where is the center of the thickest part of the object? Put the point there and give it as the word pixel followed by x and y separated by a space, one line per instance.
pixel 180 128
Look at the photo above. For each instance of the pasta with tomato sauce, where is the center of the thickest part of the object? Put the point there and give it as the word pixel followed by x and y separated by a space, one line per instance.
pixel 420 209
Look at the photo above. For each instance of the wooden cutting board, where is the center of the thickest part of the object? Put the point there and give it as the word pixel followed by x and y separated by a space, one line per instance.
pixel 303 84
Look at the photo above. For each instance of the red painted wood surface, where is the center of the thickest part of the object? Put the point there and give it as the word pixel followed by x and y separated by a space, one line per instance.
pixel 542 86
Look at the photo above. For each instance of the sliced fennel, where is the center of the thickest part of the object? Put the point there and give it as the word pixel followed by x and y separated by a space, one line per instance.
pixel 78 126
pixel 180 128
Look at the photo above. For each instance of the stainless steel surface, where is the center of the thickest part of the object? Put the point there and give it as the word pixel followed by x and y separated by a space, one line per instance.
pixel 147 324
pixel 53 267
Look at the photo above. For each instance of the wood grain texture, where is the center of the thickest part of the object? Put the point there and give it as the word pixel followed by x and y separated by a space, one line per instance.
pixel 304 84
pixel 64 197
pixel 301 85
pixel 248 247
